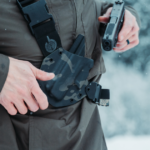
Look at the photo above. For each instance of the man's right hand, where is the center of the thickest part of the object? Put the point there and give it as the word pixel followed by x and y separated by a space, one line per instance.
pixel 21 90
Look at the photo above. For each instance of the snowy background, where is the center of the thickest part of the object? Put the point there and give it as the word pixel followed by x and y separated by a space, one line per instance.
pixel 126 122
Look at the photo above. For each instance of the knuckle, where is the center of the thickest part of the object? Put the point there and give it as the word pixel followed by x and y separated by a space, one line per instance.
pixel 29 83
pixel 130 25
pixel 12 96
pixel 121 43
pixel 42 96
pixel 21 91
pixel 37 93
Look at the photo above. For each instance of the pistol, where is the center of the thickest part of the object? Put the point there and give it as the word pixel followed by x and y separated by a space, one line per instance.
pixel 114 26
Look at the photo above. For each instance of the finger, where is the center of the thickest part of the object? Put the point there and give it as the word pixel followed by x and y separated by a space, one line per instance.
pixel 21 107
pixel 134 31
pixel 31 103
pixel 128 23
pixel 40 97
pixel 103 19
pixel 131 39
pixel 131 45
pixel 106 17
pixel 108 12
pixel 120 46
pixel 10 108
pixel 41 75
pixel 26 95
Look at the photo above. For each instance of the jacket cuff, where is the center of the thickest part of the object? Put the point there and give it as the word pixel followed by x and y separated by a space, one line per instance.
pixel 4 68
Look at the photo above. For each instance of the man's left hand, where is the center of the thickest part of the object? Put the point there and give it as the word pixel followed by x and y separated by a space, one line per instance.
pixel 129 31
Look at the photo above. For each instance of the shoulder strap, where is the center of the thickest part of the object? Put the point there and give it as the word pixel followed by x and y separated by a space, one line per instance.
pixel 41 24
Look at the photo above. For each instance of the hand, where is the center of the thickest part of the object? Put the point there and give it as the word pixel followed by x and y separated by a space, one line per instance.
pixel 21 90
pixel 129 31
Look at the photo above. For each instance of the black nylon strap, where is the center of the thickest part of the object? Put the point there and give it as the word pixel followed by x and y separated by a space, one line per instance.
pixel 42 33
pixel 41 24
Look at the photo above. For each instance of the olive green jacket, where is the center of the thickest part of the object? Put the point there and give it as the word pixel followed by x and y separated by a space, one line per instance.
pixel 77 127
pixel 72 17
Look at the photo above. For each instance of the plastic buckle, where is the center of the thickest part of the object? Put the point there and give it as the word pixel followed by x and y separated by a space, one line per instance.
pixel 35 13
pixel 93 91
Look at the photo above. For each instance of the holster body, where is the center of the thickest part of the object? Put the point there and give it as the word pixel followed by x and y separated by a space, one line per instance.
pixel 71 72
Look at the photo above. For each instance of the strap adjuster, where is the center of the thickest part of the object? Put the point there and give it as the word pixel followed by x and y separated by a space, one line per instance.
pixel 35 13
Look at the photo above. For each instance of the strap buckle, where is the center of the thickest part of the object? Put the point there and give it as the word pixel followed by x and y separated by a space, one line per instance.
pixel 35 13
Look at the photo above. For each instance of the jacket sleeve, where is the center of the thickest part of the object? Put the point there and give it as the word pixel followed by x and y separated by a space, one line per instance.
pixel 4 67
pixel 101 8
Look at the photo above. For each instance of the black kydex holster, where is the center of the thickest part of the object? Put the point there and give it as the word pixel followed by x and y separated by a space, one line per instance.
pixel 71 68
pixel 71 71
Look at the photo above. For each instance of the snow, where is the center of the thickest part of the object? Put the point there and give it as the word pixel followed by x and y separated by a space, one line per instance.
pixel 129 108
pixel 129 143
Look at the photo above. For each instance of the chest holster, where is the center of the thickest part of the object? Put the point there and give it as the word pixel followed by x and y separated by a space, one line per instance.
pixel 71 68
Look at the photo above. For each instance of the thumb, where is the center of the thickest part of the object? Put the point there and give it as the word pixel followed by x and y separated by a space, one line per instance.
pixel 41 75
pixel 103 19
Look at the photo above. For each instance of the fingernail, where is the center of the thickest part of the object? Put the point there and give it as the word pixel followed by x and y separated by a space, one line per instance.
pixel 50 74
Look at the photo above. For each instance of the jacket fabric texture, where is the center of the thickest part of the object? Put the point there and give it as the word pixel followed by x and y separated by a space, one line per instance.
pixel 77 127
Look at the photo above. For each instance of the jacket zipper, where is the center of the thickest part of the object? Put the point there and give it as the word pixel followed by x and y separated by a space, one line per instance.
pixel 75 18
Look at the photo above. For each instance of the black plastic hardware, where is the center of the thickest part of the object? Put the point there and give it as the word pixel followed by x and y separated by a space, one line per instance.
pixel 35 13
pixel 25 2
pixel 93 91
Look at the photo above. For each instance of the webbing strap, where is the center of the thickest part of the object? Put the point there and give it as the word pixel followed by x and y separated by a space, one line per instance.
pixel 41 24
